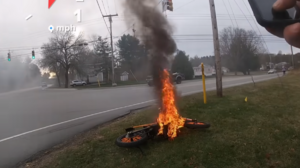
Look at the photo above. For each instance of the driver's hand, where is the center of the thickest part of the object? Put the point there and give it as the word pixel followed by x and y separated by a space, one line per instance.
pixel 291 33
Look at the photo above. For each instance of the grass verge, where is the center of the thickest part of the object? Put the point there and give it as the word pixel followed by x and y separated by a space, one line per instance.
pixel 241 74
pixel 263 132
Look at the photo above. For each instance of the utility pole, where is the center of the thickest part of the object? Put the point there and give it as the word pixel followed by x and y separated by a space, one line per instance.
pixel 133 30
pixel 292 56
pixel 112 50
pixel 270 64
pixel 217 48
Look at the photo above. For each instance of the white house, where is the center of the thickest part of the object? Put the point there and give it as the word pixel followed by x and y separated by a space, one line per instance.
pixel 208 71
pixel 225 70
pixel 94 78
pixel 124 76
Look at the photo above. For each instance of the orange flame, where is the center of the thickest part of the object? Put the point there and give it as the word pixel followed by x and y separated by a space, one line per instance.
pixel 168 113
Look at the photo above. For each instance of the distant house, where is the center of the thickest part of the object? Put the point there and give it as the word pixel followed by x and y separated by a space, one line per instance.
pixel 208 71
pixel 281 64
pixel 95 77
pixel 124 76
pixel 263 68
pixel 93 74
pixel 225 70
pixel 270 65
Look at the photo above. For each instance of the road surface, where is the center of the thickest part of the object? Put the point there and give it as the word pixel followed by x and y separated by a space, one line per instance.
pixel 35 119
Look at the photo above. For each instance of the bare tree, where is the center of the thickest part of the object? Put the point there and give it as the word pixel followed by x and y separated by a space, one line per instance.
pixel 81 66
pixel 62 53
pixel 240 49
pixel 50 60
pixel 102 56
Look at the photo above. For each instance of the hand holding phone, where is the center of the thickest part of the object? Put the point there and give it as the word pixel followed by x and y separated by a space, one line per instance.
pixel 279 17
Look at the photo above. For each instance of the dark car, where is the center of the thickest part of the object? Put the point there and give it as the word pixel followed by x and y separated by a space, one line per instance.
pixel 149 80
pixel 177 78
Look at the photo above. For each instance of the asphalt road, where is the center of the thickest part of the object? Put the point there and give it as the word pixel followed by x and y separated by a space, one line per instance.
pixel 32 120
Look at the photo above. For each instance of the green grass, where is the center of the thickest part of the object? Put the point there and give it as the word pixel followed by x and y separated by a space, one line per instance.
pixel 264 132
pixel 251 73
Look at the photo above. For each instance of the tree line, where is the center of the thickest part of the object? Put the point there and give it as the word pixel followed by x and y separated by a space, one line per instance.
pixel 75 57
pixel 243 51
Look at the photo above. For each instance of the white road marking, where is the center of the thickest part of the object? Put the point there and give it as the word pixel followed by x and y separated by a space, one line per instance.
pixel 28 17
pixel 102 112
pixel 75 119
pixel 19 91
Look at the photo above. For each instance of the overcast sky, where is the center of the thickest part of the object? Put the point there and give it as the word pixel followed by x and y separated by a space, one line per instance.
pixel 190 18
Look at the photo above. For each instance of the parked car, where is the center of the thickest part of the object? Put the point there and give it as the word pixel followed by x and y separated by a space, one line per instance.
pixel 77 83
pixel 177 78
pixel 271 71
pixel 149 80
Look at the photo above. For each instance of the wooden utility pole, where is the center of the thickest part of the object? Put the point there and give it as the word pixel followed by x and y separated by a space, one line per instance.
pixel 112 50
pixel 133 30
pixel 217 49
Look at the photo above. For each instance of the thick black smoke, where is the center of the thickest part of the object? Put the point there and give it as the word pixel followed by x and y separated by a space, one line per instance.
pixel 155 33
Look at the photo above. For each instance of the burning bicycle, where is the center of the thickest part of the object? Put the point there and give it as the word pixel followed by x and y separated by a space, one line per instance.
pixel 168 122
pixel 136 137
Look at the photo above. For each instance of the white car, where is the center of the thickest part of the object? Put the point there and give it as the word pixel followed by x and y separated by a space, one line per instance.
pixel 271 71
pixel 77 83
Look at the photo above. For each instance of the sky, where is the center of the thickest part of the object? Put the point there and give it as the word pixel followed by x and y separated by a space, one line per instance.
pixel 190 19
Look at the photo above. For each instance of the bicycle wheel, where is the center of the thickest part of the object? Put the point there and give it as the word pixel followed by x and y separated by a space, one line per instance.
pixel 134 139
pixel 189 123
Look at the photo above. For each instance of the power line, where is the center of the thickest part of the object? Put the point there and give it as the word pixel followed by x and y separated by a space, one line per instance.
pixel 134 22
pixel 243 13
pixel 116 6
pixel 102 16
pixel 95 21
pixel 77 45
pixel 104 7
pixel 201 40
pixel 227 12
pixel 184 5
pixel 257 28
pixel 233 13
pixel 253 29
pixel 172 16
pixel 108 6
pixel 169 15
pixel 271 37
pixel 18 48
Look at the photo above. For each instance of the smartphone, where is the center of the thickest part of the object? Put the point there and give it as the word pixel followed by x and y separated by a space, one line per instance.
pixel 267 17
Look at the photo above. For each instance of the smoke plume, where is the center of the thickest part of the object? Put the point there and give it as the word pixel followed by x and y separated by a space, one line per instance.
pixel 155 32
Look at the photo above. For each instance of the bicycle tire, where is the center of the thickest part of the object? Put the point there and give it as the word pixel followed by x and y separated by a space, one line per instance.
pixel 137 139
